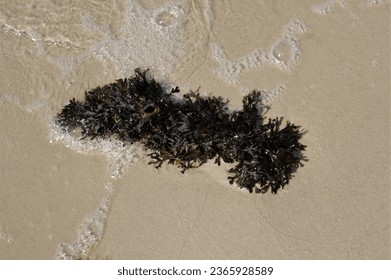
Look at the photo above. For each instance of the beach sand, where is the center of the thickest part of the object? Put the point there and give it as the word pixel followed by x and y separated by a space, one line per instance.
pixel 324 65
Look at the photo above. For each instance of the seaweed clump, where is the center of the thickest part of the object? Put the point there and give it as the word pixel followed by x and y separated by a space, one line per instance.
pixel 189 131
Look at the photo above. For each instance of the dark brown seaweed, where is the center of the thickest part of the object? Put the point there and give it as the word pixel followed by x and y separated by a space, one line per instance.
pixel 188 132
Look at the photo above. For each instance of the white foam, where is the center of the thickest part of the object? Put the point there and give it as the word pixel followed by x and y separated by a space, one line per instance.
pixel 284 53
pixel 372 3
pixel 328 6
pixel 4 235
pixel 149 38
pixel 120 157
pixel 209 14
pixel 89 233
pixel 231 70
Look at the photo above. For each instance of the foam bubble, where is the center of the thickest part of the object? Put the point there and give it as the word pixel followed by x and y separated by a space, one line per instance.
pixel 167 16
pixel 282 52
pixel 77 130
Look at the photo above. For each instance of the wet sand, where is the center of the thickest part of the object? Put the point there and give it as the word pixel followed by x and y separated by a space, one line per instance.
pixel 323 65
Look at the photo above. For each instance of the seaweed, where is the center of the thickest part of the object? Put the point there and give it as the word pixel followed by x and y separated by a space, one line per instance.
pixel 189 131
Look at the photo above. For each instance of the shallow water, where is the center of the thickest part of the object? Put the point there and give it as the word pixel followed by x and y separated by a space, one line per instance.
pixel 323 65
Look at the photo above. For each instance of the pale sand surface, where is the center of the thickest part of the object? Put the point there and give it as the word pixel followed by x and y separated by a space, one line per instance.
pixel 57 201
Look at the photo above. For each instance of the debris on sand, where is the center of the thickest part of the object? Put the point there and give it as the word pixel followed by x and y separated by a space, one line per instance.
pixel 187 132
